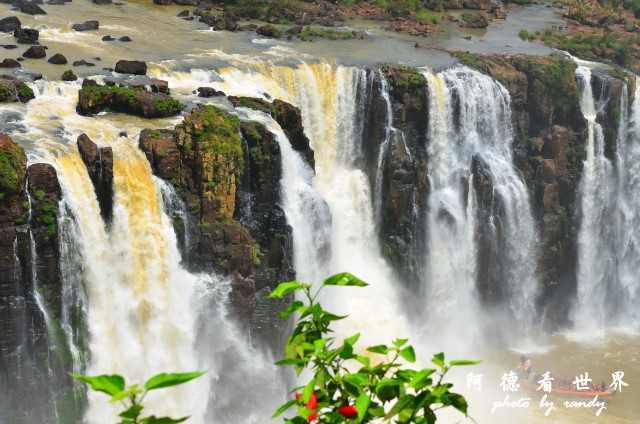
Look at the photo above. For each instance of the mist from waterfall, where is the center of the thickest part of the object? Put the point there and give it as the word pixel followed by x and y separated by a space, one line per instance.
pixel 608 238
pixel 470 121
pixel 628 202
pixel 596 271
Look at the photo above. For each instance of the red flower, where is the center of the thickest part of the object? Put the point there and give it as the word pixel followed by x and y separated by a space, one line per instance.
pixel 348 411
pixel 312 405
pixel 313 402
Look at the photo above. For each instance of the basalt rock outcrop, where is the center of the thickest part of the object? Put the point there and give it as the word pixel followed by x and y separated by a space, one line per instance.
pixel 99 163
pixel 404 183
pixel 94 98
pixel 228 174
pixel 33 362
pixel 13 89
pixel 287 116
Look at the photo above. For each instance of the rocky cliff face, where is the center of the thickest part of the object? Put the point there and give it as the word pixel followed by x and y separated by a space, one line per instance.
pixel 33 361
pixel 228 173
pixel 549 149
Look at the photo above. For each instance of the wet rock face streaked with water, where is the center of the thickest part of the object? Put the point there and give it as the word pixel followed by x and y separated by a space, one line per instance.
pixel 133 245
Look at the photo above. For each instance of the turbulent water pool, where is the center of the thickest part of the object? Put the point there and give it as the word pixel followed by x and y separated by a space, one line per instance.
pixel 136 267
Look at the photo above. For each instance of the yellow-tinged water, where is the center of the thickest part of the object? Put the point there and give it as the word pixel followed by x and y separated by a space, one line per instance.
pixel 140 315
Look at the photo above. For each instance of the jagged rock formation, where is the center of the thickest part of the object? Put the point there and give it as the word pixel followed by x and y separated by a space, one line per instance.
pixel 30 290
pixel 230 187
pixel 99 162
pixel 135 100
pixel 287 116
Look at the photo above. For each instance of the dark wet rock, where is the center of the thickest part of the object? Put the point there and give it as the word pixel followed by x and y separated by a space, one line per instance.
pixel 21 59
pixel 57 59
pixel 183 14
pixel 83 62
pixel 26 35
pixel 98 98
pixel 10 63
pixel 226 22
pixel 10 24
pixel 24 326
pixel 477 20
pixel 108 38
pixel 99 163
pixel 134 67
pixel 269 31
pixel 13 89
pixel 295 30
pixel 28 7
pixel 88 82
pixel 10 46
pixel 86 26
pixel 152 85
pixel 253 254
pixel 125 39
pixel 209 92
pixel 56 2
pixel 35 52
pixel 324 21
pixel 123 134
pixel 287 116
pixel 103 2
pixel 69 76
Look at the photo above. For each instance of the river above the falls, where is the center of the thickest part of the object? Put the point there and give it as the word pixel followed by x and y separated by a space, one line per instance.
pixel 160 36
pixel 189 55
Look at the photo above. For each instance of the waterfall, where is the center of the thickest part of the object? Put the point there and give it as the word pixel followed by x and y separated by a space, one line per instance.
pixel 175 208
pixel 334 125
pixel 470 119
pixel 628 202
pixel 596 257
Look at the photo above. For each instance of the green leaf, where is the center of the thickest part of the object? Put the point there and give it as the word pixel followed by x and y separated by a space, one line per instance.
pixel 344 279
pixel 464 362
pixel 122 395
pixel 290 362
pixel 388 389
pixel 409 354
pixel 421 379
pixel 438 359
pixel 352 340
pixel 362 404
pixel 457 401
pixel 363 360
pixel 357 379
pixel 285 288
pixel 399 406
pixel 308 390
pixel 163 420
pixel 295 306
pixel 381 349
pixel 132 412
pixel 167 380
pixel 284 408
pixel 400 342
pixel 109 384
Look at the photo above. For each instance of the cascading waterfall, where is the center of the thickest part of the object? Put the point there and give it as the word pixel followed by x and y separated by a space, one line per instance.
pixel 628 202
pixel 175 208
pixel 143 310
pixel 469 117
pixel 608 241
pixel 334 127
pixel 596 257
